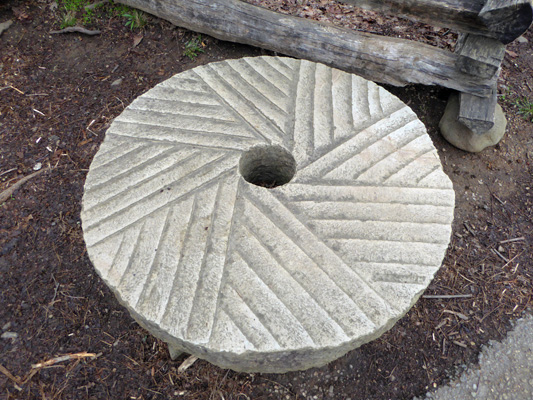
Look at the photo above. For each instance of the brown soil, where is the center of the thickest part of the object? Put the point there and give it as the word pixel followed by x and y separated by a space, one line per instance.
pixel 58 94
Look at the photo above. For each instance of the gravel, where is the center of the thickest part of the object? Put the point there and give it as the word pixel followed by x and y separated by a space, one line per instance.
pixel 505 370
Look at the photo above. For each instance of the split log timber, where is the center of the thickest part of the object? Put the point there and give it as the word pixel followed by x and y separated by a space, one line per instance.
pixel 378 58
pixel 479 55
pixel 504 20
pixel 482 56
pixel 477 113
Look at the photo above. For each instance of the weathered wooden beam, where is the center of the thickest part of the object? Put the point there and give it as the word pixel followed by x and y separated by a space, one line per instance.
pixel 479 55
pixel 504 20
pixel 477 113
pixel 507 18
pixel 388 60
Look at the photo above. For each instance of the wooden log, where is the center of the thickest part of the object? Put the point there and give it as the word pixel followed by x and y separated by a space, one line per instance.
pixel 477 113
pixel 388 60
pixel 504 20
pixel 479 55
pixel 507 18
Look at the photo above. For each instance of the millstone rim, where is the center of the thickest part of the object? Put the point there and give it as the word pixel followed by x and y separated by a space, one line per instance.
pixel 287 277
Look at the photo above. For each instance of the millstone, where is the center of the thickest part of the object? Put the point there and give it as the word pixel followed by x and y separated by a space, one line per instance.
pixel 267 214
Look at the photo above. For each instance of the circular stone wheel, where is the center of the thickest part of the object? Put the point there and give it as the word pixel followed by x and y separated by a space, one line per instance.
pixel 267 214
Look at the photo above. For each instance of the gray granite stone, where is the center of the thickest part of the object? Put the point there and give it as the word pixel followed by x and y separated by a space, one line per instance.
pixel 350 223
pixel 462 137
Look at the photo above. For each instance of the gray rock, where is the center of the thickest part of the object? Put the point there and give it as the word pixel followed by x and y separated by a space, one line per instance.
pixel 5 26
pixel 267 214
pixel 462 137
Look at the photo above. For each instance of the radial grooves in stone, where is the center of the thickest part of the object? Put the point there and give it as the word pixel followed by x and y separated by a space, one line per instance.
pixel 184 123
pixel 343 121
pixel 258 122
pixel 268 108
pixel 143 258
pixel 149 184
pixel 244 318
pixel 386 163
pixel 242 273
pixel 270 310
pixel 404 231
pixel 204 306
pixel 414 168
pixel 365 159
pixel 256 75
pixel 223 141
pixel 301 293
pixel 185 96
pixel 121 151
pixel 120 181
pixel 334 269
pixel 363 212
pixel 273 75
pixel 156 289
pixel 323 103
pixel 368 194
pixel 187 278
pixel 122 258
pixel 188 109
pixel 303 114
pixel 116 218
pixel 350 148
pixel 374 101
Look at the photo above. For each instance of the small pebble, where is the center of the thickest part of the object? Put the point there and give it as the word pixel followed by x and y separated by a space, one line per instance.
pixel 37 166
pixel 117 82
pixel 9 335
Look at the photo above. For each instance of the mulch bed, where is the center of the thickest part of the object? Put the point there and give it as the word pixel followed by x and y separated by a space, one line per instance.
pixel 58 95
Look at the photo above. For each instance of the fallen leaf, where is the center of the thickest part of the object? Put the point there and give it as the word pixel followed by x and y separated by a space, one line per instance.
pixel 137 39
pixel 511 53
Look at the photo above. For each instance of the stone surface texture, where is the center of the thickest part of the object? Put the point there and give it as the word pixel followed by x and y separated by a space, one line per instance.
pixel 462 137
pixel 258 279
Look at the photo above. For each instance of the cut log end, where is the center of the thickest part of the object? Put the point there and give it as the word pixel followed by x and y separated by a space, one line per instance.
pixel 508 19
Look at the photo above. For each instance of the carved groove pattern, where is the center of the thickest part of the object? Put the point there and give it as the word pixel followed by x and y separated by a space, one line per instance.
pixel 331 259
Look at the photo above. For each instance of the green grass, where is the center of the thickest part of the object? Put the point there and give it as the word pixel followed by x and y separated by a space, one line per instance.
pixel 68 19
pixel 135 19
pixel 77 13
pixel 193 47
pixel 525 108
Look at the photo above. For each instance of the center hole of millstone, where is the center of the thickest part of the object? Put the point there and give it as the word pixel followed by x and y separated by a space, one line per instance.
pixel 267 166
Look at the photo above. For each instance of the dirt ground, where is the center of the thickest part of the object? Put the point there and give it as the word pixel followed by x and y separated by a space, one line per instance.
pixel 58 95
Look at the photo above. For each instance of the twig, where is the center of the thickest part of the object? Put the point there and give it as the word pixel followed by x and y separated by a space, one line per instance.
pixel 460 315
pixel 78 29
pixel 500 255
pixel 469 229
pixel 447 296
pixel 8 171
pixel 15 379
pixel 518 239
pixel 459 344
pixel 6 194
pixel 74 356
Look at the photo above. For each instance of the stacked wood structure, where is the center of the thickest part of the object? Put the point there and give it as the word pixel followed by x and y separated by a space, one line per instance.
pixel 485 27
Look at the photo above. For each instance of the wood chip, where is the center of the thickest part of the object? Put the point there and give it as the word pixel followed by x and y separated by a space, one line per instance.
pixel 6 194
pixel 458 314
pixel 67 357
pixel 186 364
